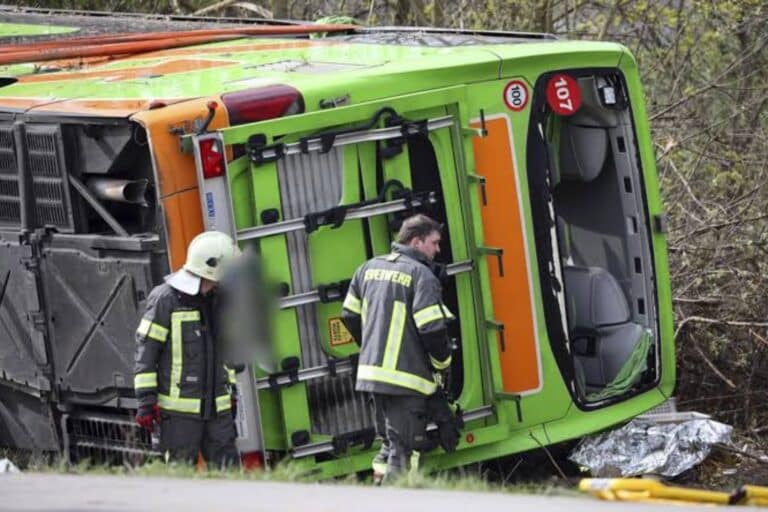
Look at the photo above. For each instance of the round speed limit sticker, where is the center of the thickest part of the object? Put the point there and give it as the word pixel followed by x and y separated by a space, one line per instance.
pixel 516 95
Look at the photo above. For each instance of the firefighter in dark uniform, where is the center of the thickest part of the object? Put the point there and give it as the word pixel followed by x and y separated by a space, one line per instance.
pixel 394 307
pixel 180 381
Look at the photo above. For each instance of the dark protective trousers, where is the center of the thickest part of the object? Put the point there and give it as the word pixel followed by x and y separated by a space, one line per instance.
pixel 405 423
pixel 379 463
pixel 183 437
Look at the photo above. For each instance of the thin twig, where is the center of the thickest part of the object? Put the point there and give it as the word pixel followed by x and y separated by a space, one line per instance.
pixel 705 320
pixel 762 459
pixel 213 7
pixel 712 84
pixel 697 300
pixel 712 366
pixel 551 458
pixel 759 338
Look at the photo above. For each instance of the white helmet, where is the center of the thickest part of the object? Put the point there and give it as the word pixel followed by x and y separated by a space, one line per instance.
pixel 207 255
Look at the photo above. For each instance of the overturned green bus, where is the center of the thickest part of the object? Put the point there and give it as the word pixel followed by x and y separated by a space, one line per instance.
pixel 535 152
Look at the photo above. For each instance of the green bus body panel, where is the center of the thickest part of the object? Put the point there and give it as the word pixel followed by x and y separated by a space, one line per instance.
pixel 365 71
pixel 628 66
pixel 419 82
pixel 549 415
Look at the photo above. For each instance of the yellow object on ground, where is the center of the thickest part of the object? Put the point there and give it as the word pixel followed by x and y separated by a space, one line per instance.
pixel 636 489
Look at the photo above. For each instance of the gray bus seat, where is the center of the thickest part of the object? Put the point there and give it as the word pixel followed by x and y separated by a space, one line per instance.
pixel 583 151
pixel 602 336
pixel 595 298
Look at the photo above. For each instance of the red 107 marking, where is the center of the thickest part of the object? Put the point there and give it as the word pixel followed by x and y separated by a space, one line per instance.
pixel 561 88
pixel 563 94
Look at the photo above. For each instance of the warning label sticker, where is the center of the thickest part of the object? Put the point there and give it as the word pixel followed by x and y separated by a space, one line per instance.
pixel 516 95
pixel 338 333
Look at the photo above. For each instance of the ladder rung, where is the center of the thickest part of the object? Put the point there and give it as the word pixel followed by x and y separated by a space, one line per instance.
pixel 361 212
pixel 311 297
pixel 317 372
pixel 344 139
pixel 327 446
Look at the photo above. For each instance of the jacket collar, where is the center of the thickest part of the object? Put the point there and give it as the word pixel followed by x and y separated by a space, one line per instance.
pixel 410 252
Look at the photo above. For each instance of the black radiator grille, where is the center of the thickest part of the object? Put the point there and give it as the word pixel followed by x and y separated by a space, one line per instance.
pixel 50 201
pixel 45 161
pixel 10 210
pixel 42 151
pixel 106 440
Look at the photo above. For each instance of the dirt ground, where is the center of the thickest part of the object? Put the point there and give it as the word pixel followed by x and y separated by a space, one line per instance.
pixel 726 471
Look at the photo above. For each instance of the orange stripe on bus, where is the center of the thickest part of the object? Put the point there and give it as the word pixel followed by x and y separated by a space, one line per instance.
pixel 93 107
pixel 226 50
pixel 503 227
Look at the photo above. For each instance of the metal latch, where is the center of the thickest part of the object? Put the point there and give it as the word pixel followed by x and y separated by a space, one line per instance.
pixel 515 398
pixel 498 327
pixel 494 251
pixel 476 178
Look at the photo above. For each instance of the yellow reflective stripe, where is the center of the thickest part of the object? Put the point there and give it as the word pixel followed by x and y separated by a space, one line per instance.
pixel 440 365
pixel 430 314
pixel 185 316
pixel 364 311
pixel 191 405
pixel 177 352
pixel 396 378
pixel 352 303
pixel 231 375
pixel 223 403
pixel 395 335
pixel 145 380
pixel 152 330
pixel 379 467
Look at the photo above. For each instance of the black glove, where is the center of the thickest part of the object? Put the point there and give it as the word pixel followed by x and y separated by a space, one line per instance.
pixel 440 270
pixel 449 424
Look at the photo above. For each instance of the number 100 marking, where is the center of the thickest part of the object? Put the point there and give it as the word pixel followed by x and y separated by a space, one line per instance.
pixel 516 95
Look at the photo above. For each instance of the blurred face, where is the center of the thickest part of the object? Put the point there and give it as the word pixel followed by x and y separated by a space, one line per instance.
pixel 429 246
pixel 207 285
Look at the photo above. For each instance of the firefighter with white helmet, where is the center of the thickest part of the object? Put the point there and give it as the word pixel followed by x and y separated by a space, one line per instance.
pixel 180 381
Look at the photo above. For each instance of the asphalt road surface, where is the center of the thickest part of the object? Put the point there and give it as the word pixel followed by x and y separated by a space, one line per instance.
pixel 69 493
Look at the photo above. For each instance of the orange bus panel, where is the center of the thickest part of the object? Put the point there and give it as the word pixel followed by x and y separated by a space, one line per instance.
pixel 175 171
pixel 503 227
